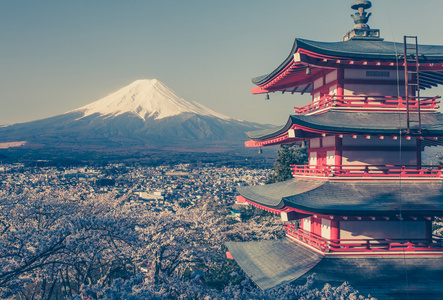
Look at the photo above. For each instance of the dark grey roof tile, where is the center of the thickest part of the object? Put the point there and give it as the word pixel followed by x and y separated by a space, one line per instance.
pixel 273 263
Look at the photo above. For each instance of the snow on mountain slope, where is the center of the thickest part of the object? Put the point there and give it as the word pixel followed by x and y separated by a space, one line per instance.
pixel 146 98
pixel 143 115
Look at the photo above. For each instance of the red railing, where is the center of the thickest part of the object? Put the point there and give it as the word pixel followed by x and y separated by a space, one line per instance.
pixel 311 170
pixel 367 245
pixel 363 245
pixel 307 237
pixel 367 171
pixel 365 102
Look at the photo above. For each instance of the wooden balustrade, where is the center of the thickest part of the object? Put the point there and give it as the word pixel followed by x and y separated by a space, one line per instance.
pixel 363 245
pixel 366 171
pixel 369 102
pixel 307 237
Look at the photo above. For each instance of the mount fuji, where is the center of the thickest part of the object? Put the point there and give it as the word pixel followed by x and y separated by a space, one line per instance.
pixel 143 115
pixel 148 98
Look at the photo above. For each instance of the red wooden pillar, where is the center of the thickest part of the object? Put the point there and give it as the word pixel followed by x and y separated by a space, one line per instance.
pixel 316 225
pixel 338 152
pixel 340 77
pixel 335 233
pixel 335 230
pixel 321 158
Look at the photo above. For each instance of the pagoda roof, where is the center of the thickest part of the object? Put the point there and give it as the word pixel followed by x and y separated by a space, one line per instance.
pixel 348 122
pixel 301 261
pixel 271 264
pixel 351 198
pixel 344 54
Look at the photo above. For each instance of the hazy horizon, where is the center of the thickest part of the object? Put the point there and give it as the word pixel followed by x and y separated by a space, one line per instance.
pixel 59 56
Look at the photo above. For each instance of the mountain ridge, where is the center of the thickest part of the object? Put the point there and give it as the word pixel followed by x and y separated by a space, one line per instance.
pixel 145 114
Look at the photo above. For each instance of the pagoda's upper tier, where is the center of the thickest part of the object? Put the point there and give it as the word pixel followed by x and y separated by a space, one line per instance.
pixel 348 54
pixel 302 127
pixel 343 122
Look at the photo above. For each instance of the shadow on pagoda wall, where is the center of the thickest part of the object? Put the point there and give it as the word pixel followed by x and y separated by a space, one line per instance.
pixel 371 156
pixel 383 230
pixel 387 83
pixel 379 158
pixel 378 272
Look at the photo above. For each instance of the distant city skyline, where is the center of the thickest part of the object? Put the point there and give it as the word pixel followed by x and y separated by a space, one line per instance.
pixel 57 56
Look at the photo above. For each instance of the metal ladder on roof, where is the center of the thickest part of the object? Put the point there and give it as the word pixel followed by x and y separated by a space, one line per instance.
pixel 412 83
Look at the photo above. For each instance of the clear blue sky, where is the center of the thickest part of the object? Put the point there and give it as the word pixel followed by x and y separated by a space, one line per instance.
pixel 58 55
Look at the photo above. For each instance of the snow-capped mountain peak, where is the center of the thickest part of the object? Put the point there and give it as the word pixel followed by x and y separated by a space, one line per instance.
pixel 146 98
pixel 141 117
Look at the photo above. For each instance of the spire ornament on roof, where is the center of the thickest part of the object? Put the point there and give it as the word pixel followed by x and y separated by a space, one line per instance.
pixel 361 17
pixel 361 29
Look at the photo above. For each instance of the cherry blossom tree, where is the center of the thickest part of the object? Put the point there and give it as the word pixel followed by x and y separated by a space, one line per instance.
pixel 172 288
pixel 59 244
pixel 54 243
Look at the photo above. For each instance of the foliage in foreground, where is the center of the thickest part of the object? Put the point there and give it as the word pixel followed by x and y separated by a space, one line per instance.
pixel 172 288
pixel 287 156
pixel 57 245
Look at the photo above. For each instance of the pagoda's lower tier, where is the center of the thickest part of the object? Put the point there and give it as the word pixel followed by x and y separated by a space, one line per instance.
pixel 355 217
pixel 350 198
pixel 274 263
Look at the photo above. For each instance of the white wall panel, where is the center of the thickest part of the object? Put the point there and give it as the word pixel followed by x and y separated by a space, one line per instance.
pixel 326 228
pixel 382 229
pixel 328 141
pixel 307 224
pixel 330 77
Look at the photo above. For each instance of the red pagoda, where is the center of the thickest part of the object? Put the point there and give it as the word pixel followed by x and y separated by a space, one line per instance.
pixel 362 209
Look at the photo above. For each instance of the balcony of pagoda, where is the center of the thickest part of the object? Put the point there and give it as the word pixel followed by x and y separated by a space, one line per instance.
pixel 367 172
pixel 369 103
pixel 325 246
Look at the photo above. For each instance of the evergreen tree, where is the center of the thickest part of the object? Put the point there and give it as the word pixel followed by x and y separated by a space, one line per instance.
pixel 287 156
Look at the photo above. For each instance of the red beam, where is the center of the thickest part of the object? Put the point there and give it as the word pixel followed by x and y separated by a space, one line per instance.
pixel 272 210
pixel 259 90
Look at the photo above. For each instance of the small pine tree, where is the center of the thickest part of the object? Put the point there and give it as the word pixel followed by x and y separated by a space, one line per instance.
pixel 287 156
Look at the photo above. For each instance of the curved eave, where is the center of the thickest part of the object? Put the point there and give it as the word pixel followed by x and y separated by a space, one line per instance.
pixel 370 50
pixel 347 123
pixel 271 195
pixel 268 136
pixel 260 80
pixel 259 135
pixel 274 136
pixel 290 75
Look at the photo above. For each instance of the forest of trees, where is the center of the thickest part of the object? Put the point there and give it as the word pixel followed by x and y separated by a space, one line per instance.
pixel 54 245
